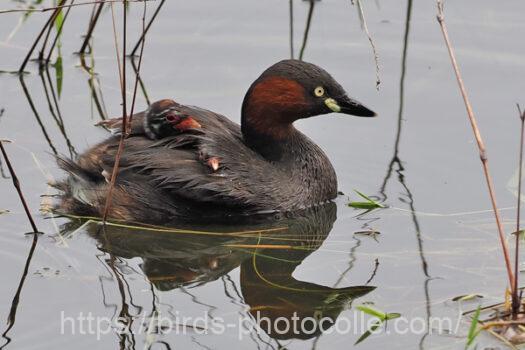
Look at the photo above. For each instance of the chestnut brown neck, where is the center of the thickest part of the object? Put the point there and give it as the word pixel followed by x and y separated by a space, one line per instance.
pixel 270 107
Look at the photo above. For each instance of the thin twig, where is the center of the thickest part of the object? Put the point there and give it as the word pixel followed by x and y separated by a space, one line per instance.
pixel 144 31
pixel 515 298
pixel 16 183
pixel 374 50
pixel 114 172
pixel 30 10
pixel 141 83
pixel 115 38
pixel 137 71
pixel 481 145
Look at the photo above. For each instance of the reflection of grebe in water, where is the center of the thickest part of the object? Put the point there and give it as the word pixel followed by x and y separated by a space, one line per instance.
pixel 273 294
pixel 174 260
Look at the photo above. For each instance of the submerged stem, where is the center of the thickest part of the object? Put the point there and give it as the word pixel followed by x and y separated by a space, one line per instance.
pixel 16 184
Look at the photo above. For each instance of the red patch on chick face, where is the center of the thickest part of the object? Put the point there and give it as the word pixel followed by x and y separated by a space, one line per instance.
pixel 182 122
pixel 187 123
pixel 274 104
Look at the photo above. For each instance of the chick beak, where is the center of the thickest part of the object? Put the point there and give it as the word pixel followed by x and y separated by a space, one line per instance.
pixel 350 106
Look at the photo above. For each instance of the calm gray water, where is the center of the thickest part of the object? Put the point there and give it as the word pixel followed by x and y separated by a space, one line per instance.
pixel 437 238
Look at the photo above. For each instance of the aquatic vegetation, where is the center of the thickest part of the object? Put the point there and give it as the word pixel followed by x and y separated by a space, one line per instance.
pixel 473 330
pixel 369 203
pixel 508 329
pixel 382 319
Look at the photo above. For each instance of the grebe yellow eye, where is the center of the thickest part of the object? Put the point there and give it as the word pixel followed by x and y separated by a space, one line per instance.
pixel 319 91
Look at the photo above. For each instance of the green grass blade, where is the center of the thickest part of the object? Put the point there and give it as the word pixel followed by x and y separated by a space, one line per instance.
pixel 363 205
pixel 473 326
pixel 369 204
pixel 392 315
pixel 59 72
pixel 372 312
pixel 368 332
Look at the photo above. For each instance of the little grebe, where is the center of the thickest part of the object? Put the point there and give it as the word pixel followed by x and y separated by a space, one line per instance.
pixel 184 162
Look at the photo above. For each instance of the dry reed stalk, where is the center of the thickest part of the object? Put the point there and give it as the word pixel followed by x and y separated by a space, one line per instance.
pixel 122 73
pixel 515 297
pixel 481 145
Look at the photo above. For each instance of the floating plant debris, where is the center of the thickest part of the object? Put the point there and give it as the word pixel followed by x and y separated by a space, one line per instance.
pixel 369 203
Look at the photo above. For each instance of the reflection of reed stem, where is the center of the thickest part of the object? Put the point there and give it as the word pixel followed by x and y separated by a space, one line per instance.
pixel 94 83
pixel 307 28
pixel 57 116
pixel 37 116
pixel 291 28
pixel 16 299
pixel 481 145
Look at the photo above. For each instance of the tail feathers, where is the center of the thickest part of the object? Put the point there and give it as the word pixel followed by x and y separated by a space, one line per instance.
pixel 81 189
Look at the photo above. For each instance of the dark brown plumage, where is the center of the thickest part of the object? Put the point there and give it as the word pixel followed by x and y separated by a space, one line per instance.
pixel 186 162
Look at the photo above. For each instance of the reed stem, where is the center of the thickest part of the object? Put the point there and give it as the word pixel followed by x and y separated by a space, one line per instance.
pixel 122 69
pixel 481 146
pixel 515 297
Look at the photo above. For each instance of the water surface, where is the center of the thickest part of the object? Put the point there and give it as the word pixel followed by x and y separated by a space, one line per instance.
pixel 437 239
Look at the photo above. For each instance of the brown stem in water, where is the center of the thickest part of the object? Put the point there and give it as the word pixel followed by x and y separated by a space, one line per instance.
pixel 91 27
pixel 16 183
pixel 515 296
pixel 481 145
pixel 122 72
